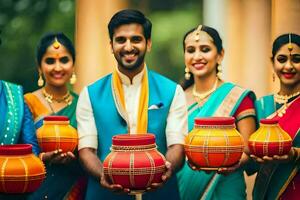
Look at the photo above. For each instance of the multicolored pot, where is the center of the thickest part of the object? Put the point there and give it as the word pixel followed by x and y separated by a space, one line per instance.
pixel 57 133
pixel 134 161
pixel 213 143
pixel 21 171
pixel 269 139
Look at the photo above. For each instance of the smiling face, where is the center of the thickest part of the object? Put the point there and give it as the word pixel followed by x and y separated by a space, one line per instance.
pixel 287 66
pixel 201 55
pixel 129 47
pixel 57 66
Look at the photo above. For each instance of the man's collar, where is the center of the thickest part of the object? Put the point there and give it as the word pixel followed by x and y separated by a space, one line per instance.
pixel 135 80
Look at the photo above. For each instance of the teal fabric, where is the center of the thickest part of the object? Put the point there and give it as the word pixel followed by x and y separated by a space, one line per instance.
pixel 265 106
pixel 109 123
pixel 212 185
pixel 16 123
pixel 14 107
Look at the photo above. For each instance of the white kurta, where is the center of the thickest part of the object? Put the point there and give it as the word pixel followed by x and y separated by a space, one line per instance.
pixel 176 128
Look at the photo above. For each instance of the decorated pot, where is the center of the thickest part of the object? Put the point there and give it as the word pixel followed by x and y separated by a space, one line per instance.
pixel 21 171
pixel 213 143
pixel 134 161
pixel 57 133
pixel 270 139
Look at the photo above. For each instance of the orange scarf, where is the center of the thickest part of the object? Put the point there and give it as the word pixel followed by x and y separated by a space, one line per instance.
pixel 142 120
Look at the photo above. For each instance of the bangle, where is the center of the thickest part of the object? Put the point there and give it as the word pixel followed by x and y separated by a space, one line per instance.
pixel 41 156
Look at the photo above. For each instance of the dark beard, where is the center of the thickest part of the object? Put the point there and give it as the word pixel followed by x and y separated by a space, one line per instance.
pixel 131 66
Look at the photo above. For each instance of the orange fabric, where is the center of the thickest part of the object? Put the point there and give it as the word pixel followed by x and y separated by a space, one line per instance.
pixel 36 107
pixel 142 122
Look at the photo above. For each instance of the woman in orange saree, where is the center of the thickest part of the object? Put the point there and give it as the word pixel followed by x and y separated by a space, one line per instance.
pixel 56 57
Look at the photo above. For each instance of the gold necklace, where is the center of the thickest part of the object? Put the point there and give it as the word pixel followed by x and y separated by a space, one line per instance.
pixel 201 96
pixel 283 99
pixel 67 98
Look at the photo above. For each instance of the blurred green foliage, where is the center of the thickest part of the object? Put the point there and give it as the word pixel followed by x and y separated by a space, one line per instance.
pixel 23 22
pixel 171 19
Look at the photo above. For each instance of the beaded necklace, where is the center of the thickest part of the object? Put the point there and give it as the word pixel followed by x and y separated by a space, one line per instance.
pixel 283 99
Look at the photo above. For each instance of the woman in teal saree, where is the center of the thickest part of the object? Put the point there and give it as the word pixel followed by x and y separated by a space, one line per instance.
pixel 207 95
pixel 56 55
pixel 278 176
pixel 16 123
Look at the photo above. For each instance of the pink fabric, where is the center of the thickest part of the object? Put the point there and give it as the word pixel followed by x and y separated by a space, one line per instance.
pixel 293 190
pixel 290 122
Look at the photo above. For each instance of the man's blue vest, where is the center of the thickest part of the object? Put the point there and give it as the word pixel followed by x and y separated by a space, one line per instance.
pixel 109 123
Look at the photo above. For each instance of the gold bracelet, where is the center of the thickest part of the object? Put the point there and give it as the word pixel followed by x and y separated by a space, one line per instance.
pixel 41 156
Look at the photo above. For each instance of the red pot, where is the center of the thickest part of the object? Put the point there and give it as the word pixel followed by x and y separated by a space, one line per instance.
pixel 270 139
pixel 21 171
pixel 134 161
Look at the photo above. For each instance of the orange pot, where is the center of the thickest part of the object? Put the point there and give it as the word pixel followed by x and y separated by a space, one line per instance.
pixel 269 139
pixel 21 171
pixel 213 143
pixel 134 161
pixel 57 133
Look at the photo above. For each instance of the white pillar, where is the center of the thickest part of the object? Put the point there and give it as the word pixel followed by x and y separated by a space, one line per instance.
pixel 214 15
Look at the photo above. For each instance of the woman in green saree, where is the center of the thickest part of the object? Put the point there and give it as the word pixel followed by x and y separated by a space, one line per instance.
pixel 278 176
pixel 208 95
pixel 56 57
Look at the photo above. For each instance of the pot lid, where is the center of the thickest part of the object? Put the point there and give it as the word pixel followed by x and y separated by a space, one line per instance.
pixel 133 139
pixel 214 121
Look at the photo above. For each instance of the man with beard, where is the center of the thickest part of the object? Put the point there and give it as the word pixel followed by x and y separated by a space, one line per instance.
pixel 132 100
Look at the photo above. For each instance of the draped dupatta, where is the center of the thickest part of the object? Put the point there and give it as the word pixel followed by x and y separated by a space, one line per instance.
pixel 39 110
pixel 119 98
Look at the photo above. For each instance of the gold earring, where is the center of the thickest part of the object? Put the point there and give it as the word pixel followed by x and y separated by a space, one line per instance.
pixel 219 71
pixel 73 78
pixel 41 80
pixel 273 77
pixel 187 74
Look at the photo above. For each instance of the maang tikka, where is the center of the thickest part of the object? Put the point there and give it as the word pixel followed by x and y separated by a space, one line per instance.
pixel 290 46
pixel 199 34
pixel 56 44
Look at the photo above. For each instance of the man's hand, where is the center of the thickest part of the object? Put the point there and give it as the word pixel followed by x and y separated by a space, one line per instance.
pixel 175 158
pixel 165 177
pixel 116 188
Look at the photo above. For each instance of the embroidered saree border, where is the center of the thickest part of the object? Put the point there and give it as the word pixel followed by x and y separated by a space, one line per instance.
pixel 14 115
